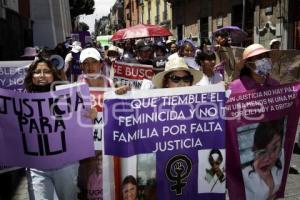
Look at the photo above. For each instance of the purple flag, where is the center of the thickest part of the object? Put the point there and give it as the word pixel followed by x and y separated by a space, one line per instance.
pixel 45 130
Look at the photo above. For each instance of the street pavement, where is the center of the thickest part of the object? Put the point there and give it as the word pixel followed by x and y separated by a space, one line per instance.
pixel 292 191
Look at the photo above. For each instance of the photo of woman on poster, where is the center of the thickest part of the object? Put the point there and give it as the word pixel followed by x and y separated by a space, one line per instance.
pixel 215 175
pixel 129 188
pixel 211 171
pixel 262 177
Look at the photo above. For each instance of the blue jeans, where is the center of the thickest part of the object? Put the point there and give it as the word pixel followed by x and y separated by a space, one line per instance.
pixel 42 185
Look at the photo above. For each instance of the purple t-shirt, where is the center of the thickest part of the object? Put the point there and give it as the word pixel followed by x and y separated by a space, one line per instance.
pixel 240 85
pixel 246 83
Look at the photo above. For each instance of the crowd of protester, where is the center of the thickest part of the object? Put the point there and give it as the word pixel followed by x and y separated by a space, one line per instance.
pixel 175 64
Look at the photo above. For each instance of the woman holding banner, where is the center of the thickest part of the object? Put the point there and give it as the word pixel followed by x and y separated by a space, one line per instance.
pixel 187 50
pixel 40 77
pixel 256 68
pixel 95 71
pixel 207 59
pixel 90 169
pixel 176 74
pixel 262 178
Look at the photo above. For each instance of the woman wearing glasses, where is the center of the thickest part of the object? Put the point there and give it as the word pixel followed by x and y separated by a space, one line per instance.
pixel 40 77
pixel 262 178
pixel 176 74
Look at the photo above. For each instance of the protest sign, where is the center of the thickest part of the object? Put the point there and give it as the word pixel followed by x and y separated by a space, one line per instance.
pixel 45 130
pixel 286 65
pixel 81 36
pixel 90 174
pixel 12 74
pixel 97 102
pixel 260 135
pixel 132 73
pixel 96 97
pixel 174 137
pixel 227 59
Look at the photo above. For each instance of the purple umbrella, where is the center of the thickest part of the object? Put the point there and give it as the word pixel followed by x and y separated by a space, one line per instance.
pixel 236 34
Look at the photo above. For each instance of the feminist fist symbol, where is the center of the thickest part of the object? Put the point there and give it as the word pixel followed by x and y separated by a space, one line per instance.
pixel 177 170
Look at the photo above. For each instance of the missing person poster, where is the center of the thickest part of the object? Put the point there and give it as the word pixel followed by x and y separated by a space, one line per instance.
pixel 12 74
pixel 171 146
pixel 132 73
pixel 45 130
pixel 260 135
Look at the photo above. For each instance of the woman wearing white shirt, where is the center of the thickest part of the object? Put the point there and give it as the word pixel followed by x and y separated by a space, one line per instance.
pixel 207 60
pixel 263 177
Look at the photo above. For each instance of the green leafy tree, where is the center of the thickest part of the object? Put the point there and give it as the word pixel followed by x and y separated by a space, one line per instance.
pixel 80 7
pixel 83 26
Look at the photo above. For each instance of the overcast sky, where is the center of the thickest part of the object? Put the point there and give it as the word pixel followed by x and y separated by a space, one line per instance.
pixel 102 8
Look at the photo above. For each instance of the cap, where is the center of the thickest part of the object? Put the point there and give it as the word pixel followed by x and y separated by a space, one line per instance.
pixel 89 53
pixel 143 46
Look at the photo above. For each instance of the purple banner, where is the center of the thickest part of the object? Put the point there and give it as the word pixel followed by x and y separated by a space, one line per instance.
pixel 183 133
pixel 12 74
pixel 261 130
pixel 45 130
pixel 164 123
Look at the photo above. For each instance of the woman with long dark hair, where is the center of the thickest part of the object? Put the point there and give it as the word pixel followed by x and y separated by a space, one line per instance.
pixel 41 77
pixel 262 178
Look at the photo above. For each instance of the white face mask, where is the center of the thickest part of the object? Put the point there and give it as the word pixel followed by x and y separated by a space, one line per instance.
pixel 263 66
pixel 111 58
pixel 92 76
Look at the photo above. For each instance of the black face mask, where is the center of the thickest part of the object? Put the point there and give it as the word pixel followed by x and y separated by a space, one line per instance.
pixel 41 88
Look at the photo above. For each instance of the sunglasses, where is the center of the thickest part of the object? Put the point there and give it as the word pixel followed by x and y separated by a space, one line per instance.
pixel 177 79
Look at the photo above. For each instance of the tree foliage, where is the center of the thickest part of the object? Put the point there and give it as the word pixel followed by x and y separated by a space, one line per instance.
pixel 79 7
pixel 83 26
